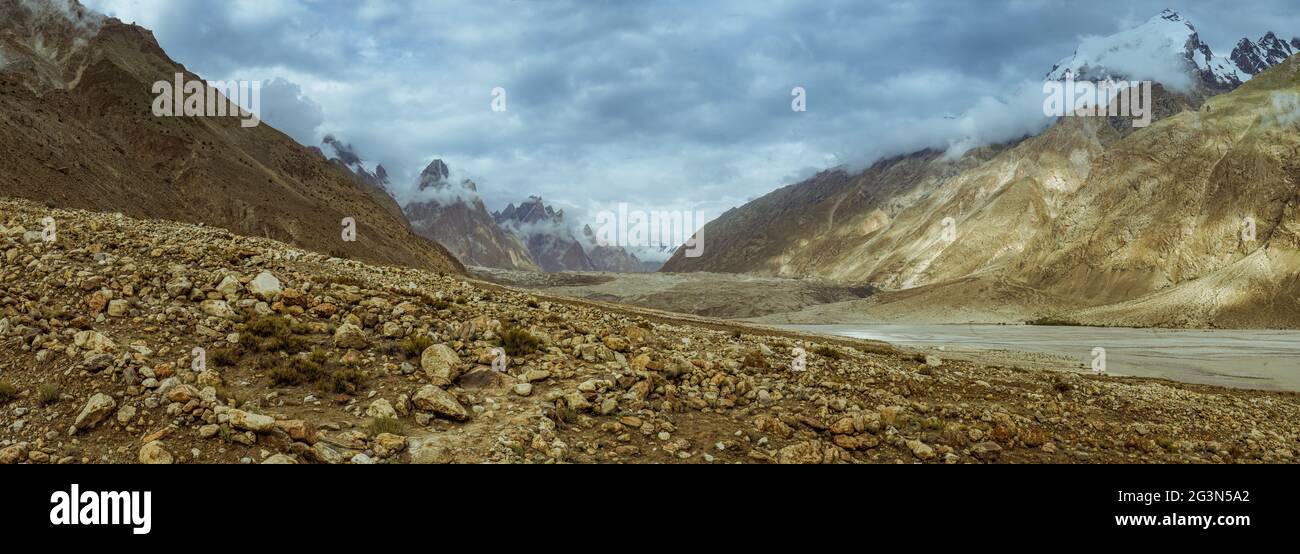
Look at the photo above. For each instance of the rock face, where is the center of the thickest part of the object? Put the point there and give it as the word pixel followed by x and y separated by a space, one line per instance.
pixel 546 234
pixel 255 181
pixel 1253 58
pixel 453 214
pixel 611 258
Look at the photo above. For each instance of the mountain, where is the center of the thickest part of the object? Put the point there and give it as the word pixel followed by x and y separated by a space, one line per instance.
pixel 1166 48
pixel 610 258
pixel 453 214
pixel 547 235
pixel 76 116
pixel 374 183
pixel 1082 223
pixel 1253 58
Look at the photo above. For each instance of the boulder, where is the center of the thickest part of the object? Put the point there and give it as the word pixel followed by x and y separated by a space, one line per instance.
pixel 97 408
pixel 440 402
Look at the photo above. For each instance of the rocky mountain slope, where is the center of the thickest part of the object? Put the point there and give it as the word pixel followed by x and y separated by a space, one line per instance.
pixel 126 340
pixel 1253 58
pixel 76 116
pixel 552 242
pixel 610 257
pixel 546 234
pixel 451 212
pixel 454 215
pixel 1088 222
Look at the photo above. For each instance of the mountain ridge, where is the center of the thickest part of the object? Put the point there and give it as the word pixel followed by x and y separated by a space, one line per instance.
pixel 75 106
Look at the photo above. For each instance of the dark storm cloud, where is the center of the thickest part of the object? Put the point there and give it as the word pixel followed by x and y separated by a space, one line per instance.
pixel 665 104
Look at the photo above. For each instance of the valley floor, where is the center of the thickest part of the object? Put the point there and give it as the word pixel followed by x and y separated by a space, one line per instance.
pixel 312 359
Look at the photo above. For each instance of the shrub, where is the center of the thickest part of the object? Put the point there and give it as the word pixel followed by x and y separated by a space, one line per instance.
pixel 224 357
pixel 7 391
pixel 299 370
pixel 346 381
pixel 274 334
pixel 381 425
pixel 829 352
pixel 518 342
pixel 284 377
pixel 49 393
pixel 415 345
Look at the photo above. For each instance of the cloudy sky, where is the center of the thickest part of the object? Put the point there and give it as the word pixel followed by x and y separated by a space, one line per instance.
pixel 662 104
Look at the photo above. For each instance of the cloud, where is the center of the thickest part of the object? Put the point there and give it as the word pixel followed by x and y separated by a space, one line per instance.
pixel 456 188
pixel 86 21
pixel 1286 109
pixel 675 104
pixel 287 108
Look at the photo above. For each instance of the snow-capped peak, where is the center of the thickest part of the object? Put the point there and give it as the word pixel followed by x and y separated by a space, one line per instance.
pixel 1166 49
pixel 1254 57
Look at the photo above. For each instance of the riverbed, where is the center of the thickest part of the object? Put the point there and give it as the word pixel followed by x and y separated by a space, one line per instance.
pixel 1254 359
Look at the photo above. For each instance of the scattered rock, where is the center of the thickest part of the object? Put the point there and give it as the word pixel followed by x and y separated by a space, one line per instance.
pixel 920 450
pixel 350 336
pixel 440 361
pixel 154 453
pixel 97 408
pixel 433 399
pixel 256 423
pixel 265 286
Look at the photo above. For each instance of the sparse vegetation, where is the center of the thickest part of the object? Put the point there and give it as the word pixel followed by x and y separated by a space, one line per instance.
pixel 49 393
pixel 1053 321
pixel 274 334
pixel 7 391
pixel 347 381
pixel 829 352
pixel 381 425
pixel 413 346
pixel 518 341
pixel 224 357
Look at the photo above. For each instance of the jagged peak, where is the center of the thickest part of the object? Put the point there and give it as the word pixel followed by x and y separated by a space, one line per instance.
pixel 437 170
pixel 1169 15
pixel 1138 53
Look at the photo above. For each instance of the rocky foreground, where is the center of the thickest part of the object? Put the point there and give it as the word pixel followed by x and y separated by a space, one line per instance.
pixel 126 341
